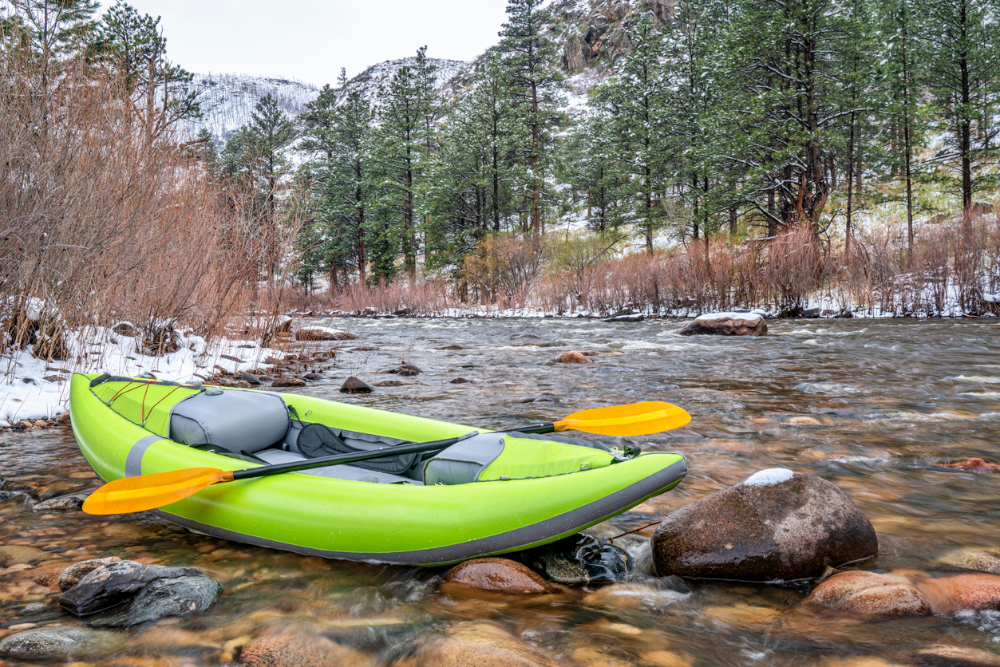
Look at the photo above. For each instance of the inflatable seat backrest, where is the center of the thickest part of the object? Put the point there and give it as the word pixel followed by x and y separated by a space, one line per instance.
pixel 234 420
pixel 499 456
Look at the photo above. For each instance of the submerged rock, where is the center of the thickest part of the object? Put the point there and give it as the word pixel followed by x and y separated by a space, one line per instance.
pixel 164 598
pixel 652 595
pixel 289 382
pixel 580 559
pixel 497 575
pixel 947 595
pixel 63 643
pixel 73 501
pixel 481 644
pixel 983 560
pixel 869 594
pixel 943 655
pixel 21 555
pixel 322 333
pixel 353 385
pixel 114 583
pixel 574 357
pixel 726 324
pixel 976 465
pixel 775 526
pixel 299 651
pixel 390 383
pixel 72 575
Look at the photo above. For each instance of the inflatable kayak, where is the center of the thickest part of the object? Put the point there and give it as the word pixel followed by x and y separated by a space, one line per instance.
pixel 490 493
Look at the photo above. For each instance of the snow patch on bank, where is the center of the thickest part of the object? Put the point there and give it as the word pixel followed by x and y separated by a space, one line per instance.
pixel 769 477
pixel 35 389
pixel 733 316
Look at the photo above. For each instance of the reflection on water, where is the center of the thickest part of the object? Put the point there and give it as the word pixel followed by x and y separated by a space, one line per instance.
pixel 874 407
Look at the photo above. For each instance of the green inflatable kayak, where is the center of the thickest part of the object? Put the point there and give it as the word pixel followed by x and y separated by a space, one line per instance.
pixel 490 493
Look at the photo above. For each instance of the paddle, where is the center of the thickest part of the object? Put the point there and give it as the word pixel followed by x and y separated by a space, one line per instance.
pixel 146 492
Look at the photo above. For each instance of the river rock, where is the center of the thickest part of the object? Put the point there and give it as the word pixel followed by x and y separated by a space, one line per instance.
pixel 497 575
pixel 654 595
pixel 164 598
pixel 73 501
pixel 983 560
pixel 976 465
pixel 390 383
pixel 626 317
pixel 775 526
pixel 943 655
pixel 249 378
pixel 353 385
pixel 580 559
pixel 947 595
pixel 726 324
pixel 63 643
pixel 289 382
pixel 114 583
pixel 299 651
pixel 72 575
pixel 574 357
pixel 21 555
pixel 480 644
pixel 322 333
pixel 869 594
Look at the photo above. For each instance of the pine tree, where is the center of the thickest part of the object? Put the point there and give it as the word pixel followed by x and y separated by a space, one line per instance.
pixel 962 76
pixel 528 54
pixel 339 134
pixel 405 106
pixel 134 45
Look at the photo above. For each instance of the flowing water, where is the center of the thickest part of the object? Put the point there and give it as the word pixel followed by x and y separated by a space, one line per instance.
pixel 872 406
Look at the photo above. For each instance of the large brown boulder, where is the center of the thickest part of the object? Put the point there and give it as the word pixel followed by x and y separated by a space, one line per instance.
pixel 775 526
pixel 574 357
pixel 726 324
pixel 869 594
pixel 497 575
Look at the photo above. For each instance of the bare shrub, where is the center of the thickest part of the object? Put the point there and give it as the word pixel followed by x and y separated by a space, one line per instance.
pixel 504 269
pixel 103 224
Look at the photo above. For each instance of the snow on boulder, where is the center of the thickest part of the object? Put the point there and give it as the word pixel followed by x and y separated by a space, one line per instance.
pixel 775 526
pixel 726 324
pixel 323 333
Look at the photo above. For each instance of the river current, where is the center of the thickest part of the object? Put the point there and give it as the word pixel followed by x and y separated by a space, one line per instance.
pixel 873 406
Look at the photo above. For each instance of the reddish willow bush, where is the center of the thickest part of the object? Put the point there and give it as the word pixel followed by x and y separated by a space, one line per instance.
pixel 954 269
pixel 101 222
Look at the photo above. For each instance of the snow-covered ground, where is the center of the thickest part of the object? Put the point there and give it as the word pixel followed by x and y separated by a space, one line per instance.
pixel 35 389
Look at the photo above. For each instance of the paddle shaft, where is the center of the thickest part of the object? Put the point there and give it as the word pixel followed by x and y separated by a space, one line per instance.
pixel 340 459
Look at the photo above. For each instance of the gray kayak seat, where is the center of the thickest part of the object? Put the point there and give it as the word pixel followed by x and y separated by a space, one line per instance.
pixel 462 462
pixel 236 421
pixel 348 472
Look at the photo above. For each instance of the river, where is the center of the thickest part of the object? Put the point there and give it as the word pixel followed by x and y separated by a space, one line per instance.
pixel 872 406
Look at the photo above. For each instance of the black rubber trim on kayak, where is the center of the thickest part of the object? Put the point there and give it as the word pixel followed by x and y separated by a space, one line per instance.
pixel 133 461
pixel 519 538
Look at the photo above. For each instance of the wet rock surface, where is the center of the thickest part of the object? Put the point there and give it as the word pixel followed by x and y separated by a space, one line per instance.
pixel 869 594
pixel 580 559
pixel 497 575
pixel 976 465
pixel 353 385
pixel 479 644
pixel 62 643
pixel 775 526
pixel 299 650
pixel 323 334
pixel 72 575
pixel 116 582
pixel 288 381
pixel 947 595
pixel 164 598
pixel 573 357
pixel 726 324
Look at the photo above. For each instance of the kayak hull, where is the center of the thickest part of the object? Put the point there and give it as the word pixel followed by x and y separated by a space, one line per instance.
pixel 364 521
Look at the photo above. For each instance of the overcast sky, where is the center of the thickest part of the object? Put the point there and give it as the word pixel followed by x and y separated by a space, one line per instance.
pixel 311 40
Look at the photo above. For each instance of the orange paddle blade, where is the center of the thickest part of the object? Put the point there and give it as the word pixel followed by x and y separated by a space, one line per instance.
pixel 146 492
pixel 633 419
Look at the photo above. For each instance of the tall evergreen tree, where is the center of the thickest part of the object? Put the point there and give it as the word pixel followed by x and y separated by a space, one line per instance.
pixel 962 38
pixel 529 54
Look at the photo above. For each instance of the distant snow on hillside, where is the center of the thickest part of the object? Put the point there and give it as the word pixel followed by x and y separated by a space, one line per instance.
pixel 228 100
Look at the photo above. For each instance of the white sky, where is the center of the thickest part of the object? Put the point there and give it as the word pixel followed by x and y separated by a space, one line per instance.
pixel 310 40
